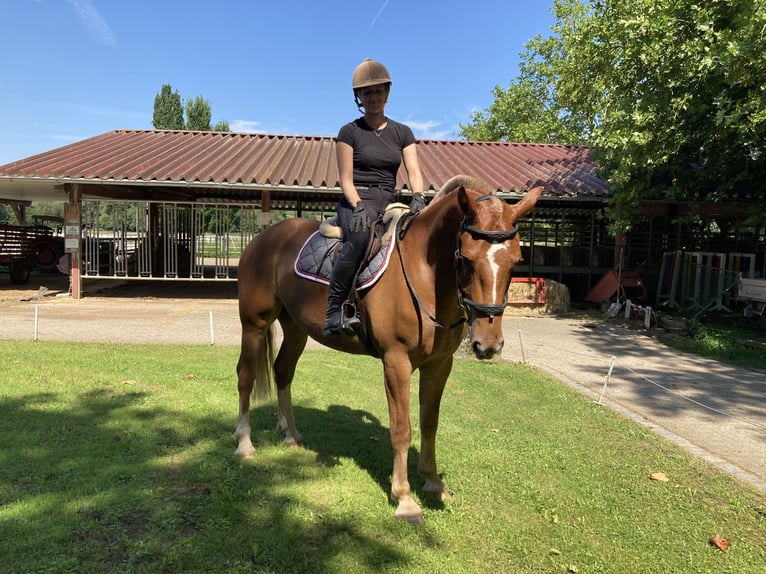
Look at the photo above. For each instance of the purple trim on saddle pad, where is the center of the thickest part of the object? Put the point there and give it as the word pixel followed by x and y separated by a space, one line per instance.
pixel 315 259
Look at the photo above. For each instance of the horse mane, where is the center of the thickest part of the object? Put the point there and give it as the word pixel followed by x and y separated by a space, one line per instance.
pixel 463 181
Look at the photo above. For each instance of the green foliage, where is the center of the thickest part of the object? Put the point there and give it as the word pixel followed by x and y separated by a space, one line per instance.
pixel 198 114
pixel 532 108
pixel 6 215
pixel 670 95
pixel 168 111
pixel 119 458
pixel 683 100
pixel 725 343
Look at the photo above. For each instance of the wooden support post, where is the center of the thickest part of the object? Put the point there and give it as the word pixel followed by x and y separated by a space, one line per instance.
pixel 73 236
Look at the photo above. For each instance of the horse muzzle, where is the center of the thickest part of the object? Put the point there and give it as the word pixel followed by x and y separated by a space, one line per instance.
pixel 484 352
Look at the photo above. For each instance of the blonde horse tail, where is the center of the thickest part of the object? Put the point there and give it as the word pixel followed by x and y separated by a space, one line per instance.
pixel 264 366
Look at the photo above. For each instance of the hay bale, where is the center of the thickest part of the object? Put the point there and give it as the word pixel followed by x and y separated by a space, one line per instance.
pixel 524 292
pixel 525 298
pixel 556 297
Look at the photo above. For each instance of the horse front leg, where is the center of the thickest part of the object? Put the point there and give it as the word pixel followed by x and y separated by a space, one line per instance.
pixel 433 378
pixel 397 375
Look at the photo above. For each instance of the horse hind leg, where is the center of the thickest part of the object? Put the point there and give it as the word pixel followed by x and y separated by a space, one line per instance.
pixel 253 378
pixel 293 344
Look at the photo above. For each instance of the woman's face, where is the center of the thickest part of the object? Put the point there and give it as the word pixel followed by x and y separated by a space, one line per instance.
pixel 374 98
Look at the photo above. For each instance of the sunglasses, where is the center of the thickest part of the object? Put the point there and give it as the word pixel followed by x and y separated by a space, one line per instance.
pixel 373 91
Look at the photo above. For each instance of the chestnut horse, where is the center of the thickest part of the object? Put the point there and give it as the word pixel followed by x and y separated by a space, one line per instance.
pixel 449 271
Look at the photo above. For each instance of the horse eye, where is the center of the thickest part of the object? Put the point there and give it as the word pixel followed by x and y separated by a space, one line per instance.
pixel 465 269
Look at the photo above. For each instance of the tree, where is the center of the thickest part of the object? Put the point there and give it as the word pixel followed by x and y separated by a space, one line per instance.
pixel 525 112
pixel 669 94
pixel 530 109
pixel 198 114
pixel 684 115
pixel 168 111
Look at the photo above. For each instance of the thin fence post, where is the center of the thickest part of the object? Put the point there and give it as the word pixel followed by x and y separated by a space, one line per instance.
pixel 606 382
pixel 521 343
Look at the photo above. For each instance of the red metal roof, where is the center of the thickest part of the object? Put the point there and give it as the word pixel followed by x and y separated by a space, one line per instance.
pixel 308 162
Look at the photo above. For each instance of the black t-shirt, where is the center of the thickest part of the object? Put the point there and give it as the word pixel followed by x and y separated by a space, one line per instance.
pixel 377 156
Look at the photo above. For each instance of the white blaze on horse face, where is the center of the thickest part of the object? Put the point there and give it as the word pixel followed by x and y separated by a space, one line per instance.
pixel 495 255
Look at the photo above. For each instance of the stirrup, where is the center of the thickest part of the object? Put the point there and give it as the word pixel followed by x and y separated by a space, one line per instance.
pixel 340 328
pixel 338 324
pixel 352 325
pixel 349 318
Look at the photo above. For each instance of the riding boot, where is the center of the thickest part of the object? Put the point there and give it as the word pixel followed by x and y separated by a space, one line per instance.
pixel 341 279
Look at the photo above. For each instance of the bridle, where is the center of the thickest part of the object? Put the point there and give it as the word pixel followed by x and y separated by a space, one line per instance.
pixel 469 308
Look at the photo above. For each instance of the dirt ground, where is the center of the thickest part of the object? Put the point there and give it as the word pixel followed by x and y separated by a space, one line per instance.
pixel 716 411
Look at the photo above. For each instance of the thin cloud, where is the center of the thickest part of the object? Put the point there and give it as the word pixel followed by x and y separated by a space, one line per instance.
pixel 66 138
pixel 246 126
pixel 94 22
pixel 426 130
pixel 379 13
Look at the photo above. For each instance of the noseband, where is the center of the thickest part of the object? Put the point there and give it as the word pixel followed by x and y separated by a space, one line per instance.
pixel 470 307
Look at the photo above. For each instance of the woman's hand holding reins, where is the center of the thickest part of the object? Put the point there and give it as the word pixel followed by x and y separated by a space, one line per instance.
pixel 360 218
pixel 417 203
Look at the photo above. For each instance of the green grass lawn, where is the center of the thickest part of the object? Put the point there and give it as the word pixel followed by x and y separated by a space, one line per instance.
pixel 119 458
pixel 734 344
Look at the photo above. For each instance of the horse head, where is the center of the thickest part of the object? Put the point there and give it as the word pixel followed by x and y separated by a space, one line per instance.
pixel 487 250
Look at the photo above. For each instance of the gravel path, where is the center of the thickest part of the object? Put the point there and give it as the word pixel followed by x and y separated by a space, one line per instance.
pixel 716 411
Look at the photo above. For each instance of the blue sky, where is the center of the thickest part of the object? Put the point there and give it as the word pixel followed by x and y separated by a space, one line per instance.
pixel 73 69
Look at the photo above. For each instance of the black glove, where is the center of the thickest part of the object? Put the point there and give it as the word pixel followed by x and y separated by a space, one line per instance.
pixel 418 202
pixel 360 218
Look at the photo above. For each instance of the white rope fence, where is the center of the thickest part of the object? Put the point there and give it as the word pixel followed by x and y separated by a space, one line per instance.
pixel 36 330
pixel 699 404
pixel 612 362
pixel 610 371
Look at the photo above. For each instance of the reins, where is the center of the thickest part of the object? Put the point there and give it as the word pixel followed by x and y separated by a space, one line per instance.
pixel 397 238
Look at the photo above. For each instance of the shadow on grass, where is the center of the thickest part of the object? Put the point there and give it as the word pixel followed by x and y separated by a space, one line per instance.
pixel 341 432
pixel 110 481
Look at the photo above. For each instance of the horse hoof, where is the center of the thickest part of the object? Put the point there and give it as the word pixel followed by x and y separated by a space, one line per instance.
pixel 409 512
pixel 441 494
pixel 293 442
pixel 414 519
pixel 245 452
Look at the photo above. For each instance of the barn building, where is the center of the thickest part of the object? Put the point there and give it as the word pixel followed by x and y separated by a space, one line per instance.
pixel 179 205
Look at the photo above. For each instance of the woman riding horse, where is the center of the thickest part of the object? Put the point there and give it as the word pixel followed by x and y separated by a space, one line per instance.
pixel 369 151
pixel 452 268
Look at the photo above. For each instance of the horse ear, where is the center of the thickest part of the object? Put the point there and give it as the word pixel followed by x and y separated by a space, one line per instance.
pixel 462 199
pixel 527 203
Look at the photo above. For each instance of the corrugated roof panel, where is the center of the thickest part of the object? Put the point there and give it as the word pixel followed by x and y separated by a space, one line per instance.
pixel 236 165
pixel 308 162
